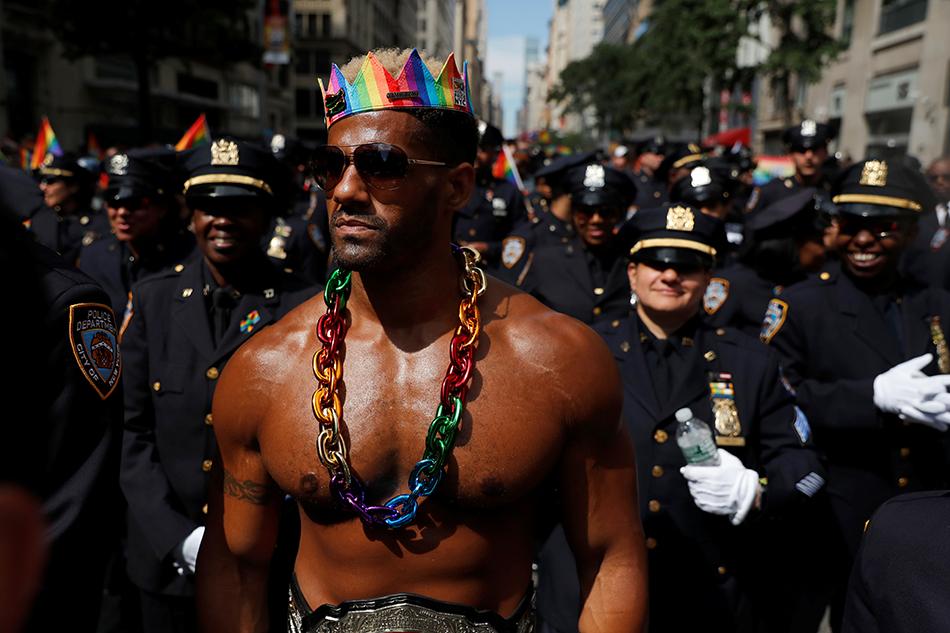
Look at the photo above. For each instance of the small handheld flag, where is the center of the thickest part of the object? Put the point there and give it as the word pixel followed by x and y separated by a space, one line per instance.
pixel 506 169
pixel 197 134
pixel 46 143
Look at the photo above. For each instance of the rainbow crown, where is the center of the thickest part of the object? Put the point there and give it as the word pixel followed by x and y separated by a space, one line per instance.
pixel 375 89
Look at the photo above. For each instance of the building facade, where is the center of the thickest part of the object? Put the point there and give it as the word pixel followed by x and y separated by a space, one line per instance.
pixel 99 95
pixel 576 27
pixel 887 93
pixel 436 30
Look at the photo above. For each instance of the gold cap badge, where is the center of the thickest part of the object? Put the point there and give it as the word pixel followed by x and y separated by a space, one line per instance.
pixel 874 173
pixel 224 152
pixel 679 219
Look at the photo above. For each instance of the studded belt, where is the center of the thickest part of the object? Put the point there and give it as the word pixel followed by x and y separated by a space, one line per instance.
pixel 403 613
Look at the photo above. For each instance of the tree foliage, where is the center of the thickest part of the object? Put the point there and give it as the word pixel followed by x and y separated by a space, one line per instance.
pixel 216 32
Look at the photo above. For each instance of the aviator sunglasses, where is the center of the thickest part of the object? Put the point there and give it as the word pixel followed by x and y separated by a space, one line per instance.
pixel 380 165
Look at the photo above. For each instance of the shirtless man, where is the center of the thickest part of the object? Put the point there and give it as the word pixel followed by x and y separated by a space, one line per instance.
pixel 522 455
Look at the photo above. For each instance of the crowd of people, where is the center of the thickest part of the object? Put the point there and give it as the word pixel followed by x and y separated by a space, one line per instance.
pixel 224 353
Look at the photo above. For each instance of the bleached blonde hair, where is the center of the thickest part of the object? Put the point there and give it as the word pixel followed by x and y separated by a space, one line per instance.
pixel 392 59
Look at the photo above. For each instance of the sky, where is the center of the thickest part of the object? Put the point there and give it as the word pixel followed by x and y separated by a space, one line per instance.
pixel 510 23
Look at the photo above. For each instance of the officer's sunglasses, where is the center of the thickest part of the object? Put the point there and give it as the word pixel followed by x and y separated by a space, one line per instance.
pixel 132 203
pixel 380 165
pixel 882 229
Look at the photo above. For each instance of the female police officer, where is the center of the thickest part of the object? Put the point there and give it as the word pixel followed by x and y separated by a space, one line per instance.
pixel 704 524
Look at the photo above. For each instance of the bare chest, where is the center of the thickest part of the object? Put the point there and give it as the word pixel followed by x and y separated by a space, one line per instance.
pixel 509 436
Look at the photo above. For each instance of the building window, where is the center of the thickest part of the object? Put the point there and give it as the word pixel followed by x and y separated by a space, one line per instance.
pixel 321 62
pixel 312 24
pixel 326 25
pixel 896 14
pixel 246 101
pixel 298 24
pixel 197 86
pixel 847 23
pixel 303 66
pixel 304 103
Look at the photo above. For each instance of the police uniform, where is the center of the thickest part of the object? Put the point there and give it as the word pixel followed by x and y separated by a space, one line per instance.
pixel 898 584
pixel 111 262
pixel 707 185
pixel 589 284
pixel 495 208
pixel 66 234
pixel 705 573
pixel 928 258
pixel 806 135
pixel 835 340
pixel 739 293
pixel 81 403
pixel 651 191
pixel 181 331
pixel 544 228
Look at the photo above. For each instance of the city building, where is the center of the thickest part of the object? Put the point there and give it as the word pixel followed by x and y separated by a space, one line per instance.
pixel 576 27
pixel 887 93
pixel 620 17
pixel 436 30
pixel 99 95
pixel 534 114
pixel 471 42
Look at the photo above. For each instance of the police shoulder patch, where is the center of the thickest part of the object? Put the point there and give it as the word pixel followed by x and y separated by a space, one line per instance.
pixel 802 428
pixel 512 250
pixel 774 319
pixel 716 294
pixel 94 339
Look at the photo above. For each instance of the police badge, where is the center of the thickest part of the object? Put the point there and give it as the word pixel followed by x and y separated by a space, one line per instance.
pixel 716 294
pixel 93 336
pixel 722 394
pixel 774 319
pixel 512 248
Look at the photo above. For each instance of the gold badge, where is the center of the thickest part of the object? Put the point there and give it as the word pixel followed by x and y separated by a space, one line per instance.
pixel 47 160
pixel 224 152
pixel 874 173
pixel 679 219
pixel 119 165
pixel 722 393
pixel 940 344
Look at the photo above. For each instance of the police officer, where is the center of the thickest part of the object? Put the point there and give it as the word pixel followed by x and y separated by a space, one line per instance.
pixel 807 145
pixel 706 526
pixel 708 186
pixel 184 325
pixel 146 232
pixel 552 223
pixel 928 259
pixel 785 243
pixel 744 163
pixel 67 222
pixel 496 206
pixel 866 352
pixel 585 277
pixel 651 192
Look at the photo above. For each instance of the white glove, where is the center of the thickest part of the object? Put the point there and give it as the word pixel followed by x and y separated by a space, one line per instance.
pixel 914 396
pixel 729 488
pixel 189 550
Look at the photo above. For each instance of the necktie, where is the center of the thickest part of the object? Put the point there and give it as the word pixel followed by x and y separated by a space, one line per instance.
pixel 221 304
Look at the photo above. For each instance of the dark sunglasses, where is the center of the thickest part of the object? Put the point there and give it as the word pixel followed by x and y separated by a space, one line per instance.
pixel 883 229
pixel 607 213
pixel 380 165
pixel 132 203
pixel 50 180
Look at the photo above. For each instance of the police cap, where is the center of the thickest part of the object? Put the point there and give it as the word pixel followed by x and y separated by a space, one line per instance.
pixel 489 136
pixel 704 184
pixel 229 168
pixel 65 166
pixel 139 173
pixel 554 172
pixel 674 234
pixel 653 145
pixel 681 156
pixel 880 188
pixel 596 185
pixel 807 135
pixel 782 217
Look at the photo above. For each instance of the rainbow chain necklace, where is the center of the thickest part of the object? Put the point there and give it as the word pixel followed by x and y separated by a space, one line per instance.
pixel 328 404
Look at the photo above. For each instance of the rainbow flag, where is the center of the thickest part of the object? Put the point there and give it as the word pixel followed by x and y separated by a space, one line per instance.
pixel 92 146
pixel 25 157
pixel 197 134
pixel 769 167
pixel 506 169
pixel 46 143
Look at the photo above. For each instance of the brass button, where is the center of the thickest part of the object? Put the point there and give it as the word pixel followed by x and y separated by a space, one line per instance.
pixel 209 420
pixel 660 436
pixel 905 452
pixel 598 291
pixel 656 194
pixel 710 356
pixel 902 482
pixel 179 268
pixel 471 232
pixel 624 346
pixel 825 276
pixel 721 570
pixel 657 471
pixel 206 465
pixel 654 505
pixel 720 332
pixel 651 543
pixel 84 220
pixel 204 509
pixel 615 323
pixel 212 373
pixel 597 311
pixel 157 386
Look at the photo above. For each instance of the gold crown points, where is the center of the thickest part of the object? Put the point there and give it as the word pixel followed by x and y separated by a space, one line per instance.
pixel 680 219
pixel 224 152
pixel 874 173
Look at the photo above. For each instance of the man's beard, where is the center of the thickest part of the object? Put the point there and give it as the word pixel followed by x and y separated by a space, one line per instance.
pixel 384 247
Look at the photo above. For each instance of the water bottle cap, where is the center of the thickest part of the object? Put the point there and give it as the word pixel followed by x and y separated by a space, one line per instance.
pixel 684 415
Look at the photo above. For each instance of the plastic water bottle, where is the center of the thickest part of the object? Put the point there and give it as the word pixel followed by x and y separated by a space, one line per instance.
pixel 695 439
